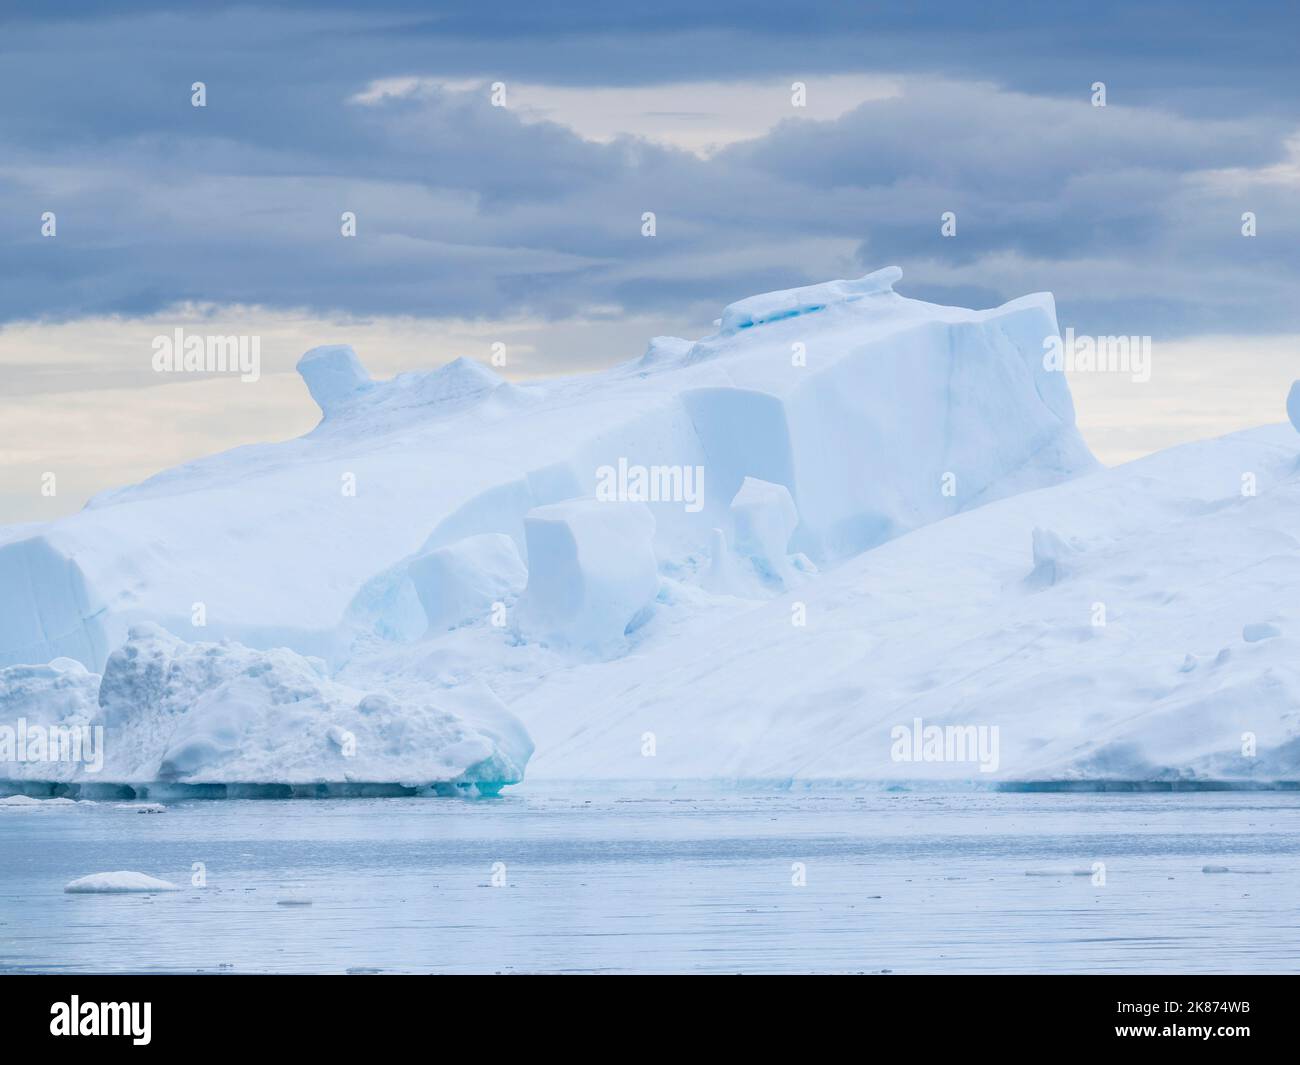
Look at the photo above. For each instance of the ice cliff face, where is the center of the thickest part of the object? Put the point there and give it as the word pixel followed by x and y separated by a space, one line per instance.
pixel 221 716
pixel 874 413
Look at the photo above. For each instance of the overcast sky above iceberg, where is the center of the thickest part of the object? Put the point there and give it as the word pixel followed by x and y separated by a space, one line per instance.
pixel 522 224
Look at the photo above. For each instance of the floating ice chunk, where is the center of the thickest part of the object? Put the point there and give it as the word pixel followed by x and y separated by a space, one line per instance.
pixel 461 581
pixel 117 883
pixel 1259 630
pixel 334 375
pixel 1215 869
pixel 788 303
pixel 144 807
pixel 1293 405
pixel 765 518
pixel 20 801
pixel 1058 872
pixel 591 571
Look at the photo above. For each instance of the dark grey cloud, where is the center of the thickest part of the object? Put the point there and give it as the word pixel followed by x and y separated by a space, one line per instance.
pixel 466 210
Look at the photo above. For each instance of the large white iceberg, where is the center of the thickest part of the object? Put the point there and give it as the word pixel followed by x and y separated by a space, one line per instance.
pixel 900 548
pixel 859 402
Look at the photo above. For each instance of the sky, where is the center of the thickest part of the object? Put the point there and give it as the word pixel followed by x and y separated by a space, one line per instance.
pixel 522 224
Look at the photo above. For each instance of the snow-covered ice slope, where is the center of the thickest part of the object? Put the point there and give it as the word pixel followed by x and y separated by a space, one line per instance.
pixel 1138 624
pixel 857 400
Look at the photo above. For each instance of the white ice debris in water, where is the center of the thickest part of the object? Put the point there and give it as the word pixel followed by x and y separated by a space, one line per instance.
pixel 1058 872
pixel 117 883
pixel 381 588
pixel 27 802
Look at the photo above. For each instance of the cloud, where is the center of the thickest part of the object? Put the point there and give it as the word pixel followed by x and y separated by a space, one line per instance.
pixel 475 220
pixel 698 116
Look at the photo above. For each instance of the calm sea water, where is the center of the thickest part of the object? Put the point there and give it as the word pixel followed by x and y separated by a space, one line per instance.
pixel 695 879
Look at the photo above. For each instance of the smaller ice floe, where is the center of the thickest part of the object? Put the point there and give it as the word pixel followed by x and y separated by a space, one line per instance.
pixel 117 883
pixel 1259 630
pixel 27 802
pixel 144 807
pixel 1058 872
pixel 1239 872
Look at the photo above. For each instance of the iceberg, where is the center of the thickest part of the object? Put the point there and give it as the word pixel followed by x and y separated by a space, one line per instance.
pixel 309 544
pixel 896 521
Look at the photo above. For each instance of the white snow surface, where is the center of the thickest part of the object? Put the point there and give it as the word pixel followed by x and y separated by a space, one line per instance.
pixel 1198 649
pixel 900 529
